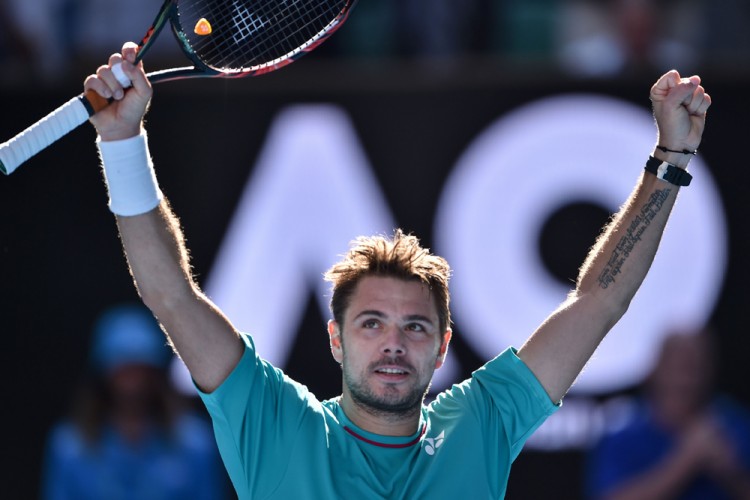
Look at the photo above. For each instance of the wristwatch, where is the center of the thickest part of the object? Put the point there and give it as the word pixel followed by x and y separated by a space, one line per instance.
pixel 668 172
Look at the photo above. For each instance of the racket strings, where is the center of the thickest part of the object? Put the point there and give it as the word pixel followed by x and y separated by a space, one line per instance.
pixel 256 39
pixel 246 34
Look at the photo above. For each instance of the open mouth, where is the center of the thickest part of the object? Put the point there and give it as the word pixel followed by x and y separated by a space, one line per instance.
pixel 392 374
pixel 392 371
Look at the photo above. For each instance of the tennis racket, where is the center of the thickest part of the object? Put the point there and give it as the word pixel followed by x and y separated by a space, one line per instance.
pixel 222 38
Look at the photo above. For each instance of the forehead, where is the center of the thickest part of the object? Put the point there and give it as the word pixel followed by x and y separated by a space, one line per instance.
pixel 392 296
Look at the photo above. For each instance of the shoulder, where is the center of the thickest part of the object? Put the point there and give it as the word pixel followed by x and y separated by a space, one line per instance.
pixel 505 381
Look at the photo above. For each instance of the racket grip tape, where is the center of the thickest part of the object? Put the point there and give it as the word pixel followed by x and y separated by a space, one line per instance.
pixel 54 126
pixel 49 129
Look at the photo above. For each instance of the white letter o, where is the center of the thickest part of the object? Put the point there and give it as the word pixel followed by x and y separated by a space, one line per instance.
pixel 535 160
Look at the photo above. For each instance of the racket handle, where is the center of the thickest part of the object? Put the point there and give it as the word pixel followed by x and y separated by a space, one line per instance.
pixel 54 126
pixel 43 133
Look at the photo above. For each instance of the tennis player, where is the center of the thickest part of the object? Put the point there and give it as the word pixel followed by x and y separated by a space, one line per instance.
pixel 390 331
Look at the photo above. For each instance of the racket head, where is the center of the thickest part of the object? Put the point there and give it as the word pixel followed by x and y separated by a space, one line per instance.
pixel 237 38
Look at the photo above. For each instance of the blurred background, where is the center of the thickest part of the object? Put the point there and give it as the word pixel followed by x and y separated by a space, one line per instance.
pixel 505 127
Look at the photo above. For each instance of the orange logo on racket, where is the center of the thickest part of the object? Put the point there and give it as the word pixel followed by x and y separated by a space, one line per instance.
pixel 203 27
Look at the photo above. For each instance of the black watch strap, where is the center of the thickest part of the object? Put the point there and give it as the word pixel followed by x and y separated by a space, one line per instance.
pixel 668 172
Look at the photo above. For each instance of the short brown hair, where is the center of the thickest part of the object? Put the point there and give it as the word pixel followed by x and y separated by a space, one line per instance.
pixel 400 256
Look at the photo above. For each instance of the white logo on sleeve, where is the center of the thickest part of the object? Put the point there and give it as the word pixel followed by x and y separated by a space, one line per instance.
pixel 432 444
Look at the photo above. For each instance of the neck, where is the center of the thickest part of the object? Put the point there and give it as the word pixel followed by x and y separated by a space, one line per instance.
pixel 377 421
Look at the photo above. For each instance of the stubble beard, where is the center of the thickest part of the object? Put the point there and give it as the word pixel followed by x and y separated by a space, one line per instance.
pixel 391 404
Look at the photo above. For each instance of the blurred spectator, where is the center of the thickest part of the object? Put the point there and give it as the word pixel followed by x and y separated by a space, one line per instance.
pixel 16 50
pixel 524 29
pixel 128 437
pixel 725 35
pixel 445 29
pixel 607 39
pixel 55 37
pixel 48 40
pixel 683 441
pixel 440 28
pixel 369 32
pixel 35 34
pixel 434 29
pixel 104 25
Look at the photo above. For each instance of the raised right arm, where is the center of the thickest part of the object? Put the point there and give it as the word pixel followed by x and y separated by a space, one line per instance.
pixel 154 245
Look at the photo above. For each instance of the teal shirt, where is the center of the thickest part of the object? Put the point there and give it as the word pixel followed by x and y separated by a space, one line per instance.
pixel 279 442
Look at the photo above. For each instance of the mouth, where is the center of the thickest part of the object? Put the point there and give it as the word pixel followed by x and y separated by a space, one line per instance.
pixel 391 373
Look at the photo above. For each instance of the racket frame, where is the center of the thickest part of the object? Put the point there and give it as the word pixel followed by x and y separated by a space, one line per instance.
pixel 170 13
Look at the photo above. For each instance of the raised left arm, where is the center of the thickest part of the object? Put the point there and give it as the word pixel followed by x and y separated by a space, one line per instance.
pixel 619 261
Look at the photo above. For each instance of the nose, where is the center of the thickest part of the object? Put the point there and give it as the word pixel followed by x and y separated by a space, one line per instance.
pixel 393 342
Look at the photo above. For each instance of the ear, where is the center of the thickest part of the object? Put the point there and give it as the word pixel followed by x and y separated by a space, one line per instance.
pixel 334 336
pixel 443 348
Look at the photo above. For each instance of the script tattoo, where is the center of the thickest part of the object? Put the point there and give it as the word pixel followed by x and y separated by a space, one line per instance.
pixel 632 236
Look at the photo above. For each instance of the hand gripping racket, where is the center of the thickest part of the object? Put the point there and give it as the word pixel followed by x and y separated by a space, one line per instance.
pixel 222 38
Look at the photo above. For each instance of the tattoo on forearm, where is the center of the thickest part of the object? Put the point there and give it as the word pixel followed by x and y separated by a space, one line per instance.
pixel 632 236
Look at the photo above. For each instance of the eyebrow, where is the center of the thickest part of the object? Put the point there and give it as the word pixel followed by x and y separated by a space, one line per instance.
pixel 382 315
pixel 371 312
pixel 419 317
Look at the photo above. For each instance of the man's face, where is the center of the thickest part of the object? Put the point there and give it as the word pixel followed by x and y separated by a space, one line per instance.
pixel 389 345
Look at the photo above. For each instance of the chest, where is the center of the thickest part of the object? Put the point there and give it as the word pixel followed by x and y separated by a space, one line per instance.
pixel 449 461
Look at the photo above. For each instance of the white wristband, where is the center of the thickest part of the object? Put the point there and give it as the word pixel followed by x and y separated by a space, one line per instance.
pixel 129 174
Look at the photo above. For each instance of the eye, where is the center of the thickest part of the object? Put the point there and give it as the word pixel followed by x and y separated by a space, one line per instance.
pixel 416 327
pixel 370 323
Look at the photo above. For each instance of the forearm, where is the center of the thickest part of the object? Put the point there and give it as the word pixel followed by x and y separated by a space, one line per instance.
pixel 609 278
pixel 619 261
pixel 157 257
pixel 149 231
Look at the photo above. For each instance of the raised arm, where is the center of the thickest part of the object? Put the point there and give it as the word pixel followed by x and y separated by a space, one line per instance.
pixel 617 264
pixel 150 233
